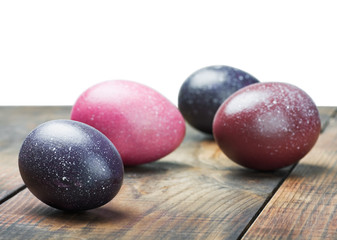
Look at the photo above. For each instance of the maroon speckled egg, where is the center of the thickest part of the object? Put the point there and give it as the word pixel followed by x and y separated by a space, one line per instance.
pixel 142 124
pixel 267 126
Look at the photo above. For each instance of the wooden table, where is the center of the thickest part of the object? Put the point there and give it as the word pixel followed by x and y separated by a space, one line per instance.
pixel 194 193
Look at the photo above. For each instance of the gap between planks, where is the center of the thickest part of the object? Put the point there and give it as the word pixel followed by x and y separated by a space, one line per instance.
pixel 266 202
pixel 326 114
pixel 12 194
pixel 324 125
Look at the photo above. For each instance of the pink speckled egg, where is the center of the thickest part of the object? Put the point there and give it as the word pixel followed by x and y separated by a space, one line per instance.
pixel 267 126
pixel 142 124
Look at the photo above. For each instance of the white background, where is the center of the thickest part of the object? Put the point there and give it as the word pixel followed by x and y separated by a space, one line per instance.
pixel 51 51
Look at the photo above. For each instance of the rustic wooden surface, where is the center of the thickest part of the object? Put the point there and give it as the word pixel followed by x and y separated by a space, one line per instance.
pixel 193 193
pixel 305 206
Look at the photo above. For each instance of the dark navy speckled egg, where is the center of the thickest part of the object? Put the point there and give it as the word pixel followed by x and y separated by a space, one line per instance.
pixel 205 90
pixel 70 165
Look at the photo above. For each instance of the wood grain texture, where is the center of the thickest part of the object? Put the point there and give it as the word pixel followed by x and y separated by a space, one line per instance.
pixel 194 193
pixel 325 114
pixel 305 206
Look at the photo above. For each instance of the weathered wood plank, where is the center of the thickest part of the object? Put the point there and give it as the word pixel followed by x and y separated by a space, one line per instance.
pixel 194 193
pixel 325 114
pixel 305 206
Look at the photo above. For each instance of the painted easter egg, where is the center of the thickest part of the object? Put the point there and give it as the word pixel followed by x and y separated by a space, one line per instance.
pixel 267 126
pixel 142 124
pixel 205 90
pixel 70 165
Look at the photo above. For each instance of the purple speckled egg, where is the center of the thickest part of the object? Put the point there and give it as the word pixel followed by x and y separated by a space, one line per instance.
pixel 70 165
pixel 205 90
pixel 267 126
pixel 142 124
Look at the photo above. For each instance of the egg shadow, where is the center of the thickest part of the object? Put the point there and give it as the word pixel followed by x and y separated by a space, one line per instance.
pixel 246 173
pixel 155 168
pixel 193 134
pixel 262 181
pixel 97 215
